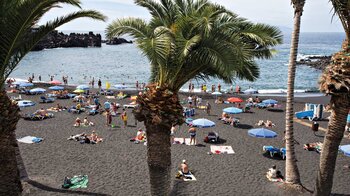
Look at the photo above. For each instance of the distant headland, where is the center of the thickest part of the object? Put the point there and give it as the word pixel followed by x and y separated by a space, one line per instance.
pixel 57 39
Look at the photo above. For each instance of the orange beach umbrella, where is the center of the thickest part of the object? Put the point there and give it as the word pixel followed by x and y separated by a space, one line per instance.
pixel 235 100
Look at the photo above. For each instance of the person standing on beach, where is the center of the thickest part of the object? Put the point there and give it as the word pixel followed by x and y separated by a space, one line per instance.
pixel 137 84
pixel 124 118
pixel 193 132
pixel 205 88
pixel 219 87
pixel 93 82
pixel 99 83
pixel 108 118
pixel 208 108
pixel 51 78
pixel 39 77
pixel 172 134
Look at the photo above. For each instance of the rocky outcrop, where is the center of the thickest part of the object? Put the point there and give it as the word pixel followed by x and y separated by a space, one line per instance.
pixel 317 62
pixel 60 40
pixel 117 41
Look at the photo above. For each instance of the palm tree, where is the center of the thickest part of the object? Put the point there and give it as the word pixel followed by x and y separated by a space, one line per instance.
pixel 292 172
pixel 335 81
pixel 188 39
pixel 16 40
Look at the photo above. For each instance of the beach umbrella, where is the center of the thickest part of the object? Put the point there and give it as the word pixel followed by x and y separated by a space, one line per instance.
pixel 270 101
pixel 25 103
pixel 232 110
pixel 56 88
pixel 250 91
pixel 262 132
pixel 55 82
pixel 37 90
pixel 235 100
pixel 120 86
pixel 78 91
pixel 203 123
pixel 345 149
pixel 25 84
pixel 83 87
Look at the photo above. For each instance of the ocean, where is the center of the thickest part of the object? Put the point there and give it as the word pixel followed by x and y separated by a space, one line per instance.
pixel 125 64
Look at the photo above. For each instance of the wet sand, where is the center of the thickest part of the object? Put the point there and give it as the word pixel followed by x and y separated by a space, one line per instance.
pixel 118 166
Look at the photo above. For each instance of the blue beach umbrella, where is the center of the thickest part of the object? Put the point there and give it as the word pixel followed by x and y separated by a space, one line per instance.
pixel 232 110
pixel 203 123
pixel 25 103
pixel 25 84
pixel 262 132
pixel 270 101
pixel 37 90
pixel 83 87
pixel 56 88
pixel 345 149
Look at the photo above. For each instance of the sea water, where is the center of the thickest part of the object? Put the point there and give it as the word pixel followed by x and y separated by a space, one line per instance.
pixel 126 64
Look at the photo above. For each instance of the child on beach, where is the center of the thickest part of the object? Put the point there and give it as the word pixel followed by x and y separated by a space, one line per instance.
pixel 77 122
pixel 87 122
pixel 124 118
pixel 108 118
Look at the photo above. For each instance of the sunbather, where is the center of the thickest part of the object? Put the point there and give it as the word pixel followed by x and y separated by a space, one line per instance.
pixel 272 172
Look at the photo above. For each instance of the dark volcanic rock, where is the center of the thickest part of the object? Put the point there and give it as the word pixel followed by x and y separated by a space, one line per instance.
pixel 317 62
pixel 57 40
pixel 117 41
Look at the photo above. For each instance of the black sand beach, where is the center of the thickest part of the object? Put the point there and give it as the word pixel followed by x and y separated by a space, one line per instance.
pixel 118 166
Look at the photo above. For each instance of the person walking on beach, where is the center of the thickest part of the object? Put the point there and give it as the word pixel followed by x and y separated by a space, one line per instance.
pixel 99 83
pixel 208 108
pixel 124 118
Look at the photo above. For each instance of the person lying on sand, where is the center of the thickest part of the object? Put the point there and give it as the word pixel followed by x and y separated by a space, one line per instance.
pixel 274 175
pixel 76 137
pixel 269 124
pixel 94 138
pixel 41 112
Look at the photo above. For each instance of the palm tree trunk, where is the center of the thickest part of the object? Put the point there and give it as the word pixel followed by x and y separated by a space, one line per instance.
pixel 292 172
pixel 10 183
pixel 340 108
pixel 159 158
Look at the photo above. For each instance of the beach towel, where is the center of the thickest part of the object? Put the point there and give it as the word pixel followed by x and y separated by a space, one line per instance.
pixel 80 181
pixel 30 139
pixel 180 140
pixel 110 97
pixel 221 149
pixel 186 177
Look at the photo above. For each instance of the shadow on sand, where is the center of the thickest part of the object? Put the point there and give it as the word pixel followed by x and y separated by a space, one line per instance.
pixel 51 189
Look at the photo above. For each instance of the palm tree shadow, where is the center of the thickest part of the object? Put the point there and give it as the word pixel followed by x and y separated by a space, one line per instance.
pixel 275 157
pixel 179 188
pixel 51 189
pixel 244 126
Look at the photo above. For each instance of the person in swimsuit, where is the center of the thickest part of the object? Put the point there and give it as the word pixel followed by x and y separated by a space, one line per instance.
pixel 172 134
pixel 192 132
pixel 184 168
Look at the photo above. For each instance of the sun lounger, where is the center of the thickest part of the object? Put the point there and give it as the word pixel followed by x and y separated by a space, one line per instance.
pixel 275 151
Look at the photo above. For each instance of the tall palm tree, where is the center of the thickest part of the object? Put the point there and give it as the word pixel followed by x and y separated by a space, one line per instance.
pixel 292 172
pixel 335 81
pixel 188 39
pixel 17 17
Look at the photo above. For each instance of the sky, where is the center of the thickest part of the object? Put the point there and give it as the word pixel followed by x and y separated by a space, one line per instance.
pixel 317 16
